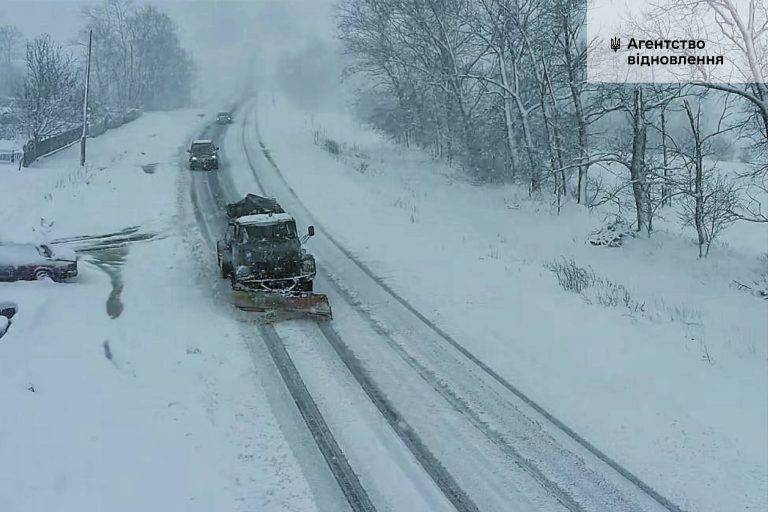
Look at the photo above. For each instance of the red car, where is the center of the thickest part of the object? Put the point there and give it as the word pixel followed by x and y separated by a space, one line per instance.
pixel 32 262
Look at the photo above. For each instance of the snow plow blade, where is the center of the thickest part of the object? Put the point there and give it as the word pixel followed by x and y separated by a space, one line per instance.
pixel 313 305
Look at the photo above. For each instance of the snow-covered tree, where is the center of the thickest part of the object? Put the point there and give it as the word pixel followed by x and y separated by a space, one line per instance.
pixel 51 94
pixel 138 60
pixel 11 45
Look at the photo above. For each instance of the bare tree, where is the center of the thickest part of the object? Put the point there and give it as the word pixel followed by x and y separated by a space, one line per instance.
pixel 11 42
pixel 740 29
pixel 710 196
pixel 638 102
pixel 163 71
pixel 421 52
pixel 748 34
pixel 484 80
pixel 571 44
pixel 50 95
pixel 138 59
pixel 113 64
pixel 505 26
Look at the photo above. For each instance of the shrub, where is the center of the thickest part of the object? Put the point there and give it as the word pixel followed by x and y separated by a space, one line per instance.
pixel 594 289
pixel 599 290
pixel 570 276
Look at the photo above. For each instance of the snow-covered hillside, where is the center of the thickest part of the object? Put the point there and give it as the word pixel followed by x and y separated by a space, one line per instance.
pixel 659 360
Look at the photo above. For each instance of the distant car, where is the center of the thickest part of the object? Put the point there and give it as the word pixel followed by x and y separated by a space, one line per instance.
pixel 28 262
pixel 223 118
pixel 203 155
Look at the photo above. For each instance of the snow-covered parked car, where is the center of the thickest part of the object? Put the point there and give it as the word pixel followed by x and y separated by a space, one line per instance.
pixel 7 311
pixel 30 262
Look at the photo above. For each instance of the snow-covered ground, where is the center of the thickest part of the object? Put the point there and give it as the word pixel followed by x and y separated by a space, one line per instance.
pixel 131 388
pixel 673 384
pixel 135 387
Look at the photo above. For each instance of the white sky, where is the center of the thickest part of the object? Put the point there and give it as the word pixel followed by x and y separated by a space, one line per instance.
pixel 223 36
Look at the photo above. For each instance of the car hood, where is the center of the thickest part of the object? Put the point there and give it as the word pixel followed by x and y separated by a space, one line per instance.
pixel 64 254
pixel 27 254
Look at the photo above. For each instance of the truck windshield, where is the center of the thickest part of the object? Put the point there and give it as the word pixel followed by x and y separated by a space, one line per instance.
pixel 280 231
pixel 202 148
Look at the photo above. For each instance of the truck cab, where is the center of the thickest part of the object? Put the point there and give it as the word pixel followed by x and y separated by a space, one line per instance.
pixel 262 250
pixel 203 154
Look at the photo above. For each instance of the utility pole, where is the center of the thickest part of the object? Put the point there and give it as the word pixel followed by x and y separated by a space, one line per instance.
pixel 85 100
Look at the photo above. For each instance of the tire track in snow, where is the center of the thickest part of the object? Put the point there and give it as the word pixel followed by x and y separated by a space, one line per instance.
pixel 455 401
pixel 349 483
pixel 431 465
pixel 436 471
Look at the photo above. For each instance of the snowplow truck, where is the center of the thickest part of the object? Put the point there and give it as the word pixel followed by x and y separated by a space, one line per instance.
pixel 262 255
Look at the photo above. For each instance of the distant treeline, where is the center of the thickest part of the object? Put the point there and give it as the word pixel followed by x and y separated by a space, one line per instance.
pixel 500 86
pixel 137 63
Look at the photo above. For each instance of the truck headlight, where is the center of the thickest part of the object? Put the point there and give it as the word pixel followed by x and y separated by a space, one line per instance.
pixel 194 158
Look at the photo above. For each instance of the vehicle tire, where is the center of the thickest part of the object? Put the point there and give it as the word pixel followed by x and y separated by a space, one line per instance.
pixel 43 274
pixel 225 271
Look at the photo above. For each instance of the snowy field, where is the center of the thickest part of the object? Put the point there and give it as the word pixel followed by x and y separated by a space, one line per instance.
pixel 671 381
pixel 131 388
pixel 135 387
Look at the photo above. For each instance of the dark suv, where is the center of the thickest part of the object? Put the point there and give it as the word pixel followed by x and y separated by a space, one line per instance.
pixel 203 154
pixel 223 118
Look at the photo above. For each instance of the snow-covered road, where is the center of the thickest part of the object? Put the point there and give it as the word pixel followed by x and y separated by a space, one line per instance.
pixel 486 443
pixel 391 475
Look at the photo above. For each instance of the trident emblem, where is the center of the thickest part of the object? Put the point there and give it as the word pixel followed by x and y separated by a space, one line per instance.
pixel 615 44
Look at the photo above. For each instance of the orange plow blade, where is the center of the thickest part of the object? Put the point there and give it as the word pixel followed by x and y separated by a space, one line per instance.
pixel 314 305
